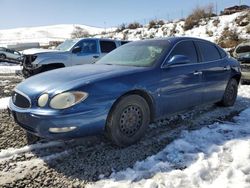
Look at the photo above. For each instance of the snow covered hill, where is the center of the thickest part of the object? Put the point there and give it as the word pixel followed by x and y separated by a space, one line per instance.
pixel 211 29
pixel 43 34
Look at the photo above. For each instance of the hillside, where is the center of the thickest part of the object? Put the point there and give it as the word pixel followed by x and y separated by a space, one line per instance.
pixel 227 30
pixel 217 29
pixel 43 34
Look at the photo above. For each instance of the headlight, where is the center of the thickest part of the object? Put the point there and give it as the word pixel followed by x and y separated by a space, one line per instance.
pixel 43 99
pixel 67 99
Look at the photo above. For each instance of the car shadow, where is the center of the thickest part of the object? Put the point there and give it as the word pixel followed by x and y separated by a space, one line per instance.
pixel 92 158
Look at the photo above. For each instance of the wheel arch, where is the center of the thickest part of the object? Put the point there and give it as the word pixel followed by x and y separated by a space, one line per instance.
pixel 57 65
pixel 143 94
pixel 237 77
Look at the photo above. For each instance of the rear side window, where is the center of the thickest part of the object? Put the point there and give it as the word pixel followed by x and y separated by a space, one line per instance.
pixel 107 46
pixel 222 52
pixel 186 48
pixel 208 51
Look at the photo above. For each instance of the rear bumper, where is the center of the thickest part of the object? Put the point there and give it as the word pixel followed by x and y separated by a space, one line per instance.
pixel 86 123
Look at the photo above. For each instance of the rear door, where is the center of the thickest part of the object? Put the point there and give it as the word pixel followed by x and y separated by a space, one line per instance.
pixel 215 72
pixel 106 47
pixel 181 85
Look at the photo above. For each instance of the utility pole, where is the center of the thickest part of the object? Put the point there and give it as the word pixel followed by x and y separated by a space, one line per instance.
pixel 239 2
pixel 216 8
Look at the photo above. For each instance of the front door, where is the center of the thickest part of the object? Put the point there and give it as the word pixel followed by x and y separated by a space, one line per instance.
pixel 181 85
pixel 88 53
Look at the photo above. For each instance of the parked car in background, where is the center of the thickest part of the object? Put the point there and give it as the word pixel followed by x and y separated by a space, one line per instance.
pixel 69 53
pixel 127 89
pixel 6 53
pixel 242 54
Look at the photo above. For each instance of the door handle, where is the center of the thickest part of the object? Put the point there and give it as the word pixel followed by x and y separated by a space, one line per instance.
pixel 227 68
pixel 96 56
pixel 197 73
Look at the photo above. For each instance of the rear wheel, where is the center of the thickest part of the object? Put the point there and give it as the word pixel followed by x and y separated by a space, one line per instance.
pixel 230 94
pixel 128 120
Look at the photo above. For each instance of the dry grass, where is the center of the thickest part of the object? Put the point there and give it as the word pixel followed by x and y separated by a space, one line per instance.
pixel 243 20
pixel 229 39
pixel 155 24
pixel 134 25
pixel 79 33
pixel 198 13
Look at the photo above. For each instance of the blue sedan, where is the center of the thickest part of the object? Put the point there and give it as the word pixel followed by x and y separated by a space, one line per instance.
pixel 123 92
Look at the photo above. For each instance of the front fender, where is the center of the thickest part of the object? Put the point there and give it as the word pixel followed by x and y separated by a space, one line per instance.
pixel 50 61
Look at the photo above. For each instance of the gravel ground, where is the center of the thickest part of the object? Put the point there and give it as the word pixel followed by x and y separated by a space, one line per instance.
pixel 76 163
pixel 7 84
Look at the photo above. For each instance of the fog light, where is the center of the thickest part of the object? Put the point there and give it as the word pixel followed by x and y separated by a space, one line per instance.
pixel 61 130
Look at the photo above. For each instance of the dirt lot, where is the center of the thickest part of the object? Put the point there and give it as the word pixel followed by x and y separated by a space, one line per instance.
pixel 76 163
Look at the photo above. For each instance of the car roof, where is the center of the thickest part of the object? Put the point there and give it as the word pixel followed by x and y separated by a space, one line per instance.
pixel 178 39
pixel 90 38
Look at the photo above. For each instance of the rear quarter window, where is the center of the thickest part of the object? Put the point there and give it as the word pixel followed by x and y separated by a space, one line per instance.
pixel 209 52
pixel 222 52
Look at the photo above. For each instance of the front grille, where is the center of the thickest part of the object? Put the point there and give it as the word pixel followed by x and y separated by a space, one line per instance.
pixel 20 100
pixel 27 60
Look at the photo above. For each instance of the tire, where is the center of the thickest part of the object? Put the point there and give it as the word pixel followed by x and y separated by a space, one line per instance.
pixel 2 56
pixel 230 94
pixel 128 120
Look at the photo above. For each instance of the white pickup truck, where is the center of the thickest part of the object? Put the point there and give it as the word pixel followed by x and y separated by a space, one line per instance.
pixel 69 53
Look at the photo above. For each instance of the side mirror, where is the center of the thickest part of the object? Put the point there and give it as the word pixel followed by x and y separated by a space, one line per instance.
pixel 76 49
pixel 177 60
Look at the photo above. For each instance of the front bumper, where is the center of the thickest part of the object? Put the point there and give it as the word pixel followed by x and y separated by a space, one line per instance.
pixel 245 76
pixel 245 71
pixel 89 122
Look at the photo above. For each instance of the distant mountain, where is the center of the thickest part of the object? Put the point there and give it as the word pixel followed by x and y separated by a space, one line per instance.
pixel 43 34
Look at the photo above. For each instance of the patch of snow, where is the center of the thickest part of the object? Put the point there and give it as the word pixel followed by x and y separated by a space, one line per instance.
pixel 215 156
pixel 23 168
pixel 14 151
pixel 4 102
pixel 6 69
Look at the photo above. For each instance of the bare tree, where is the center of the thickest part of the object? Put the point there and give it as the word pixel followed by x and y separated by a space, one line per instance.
pixel 79 32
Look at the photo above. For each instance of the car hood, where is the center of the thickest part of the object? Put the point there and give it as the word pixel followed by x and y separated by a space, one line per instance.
pixel 64 79
pixel 39 51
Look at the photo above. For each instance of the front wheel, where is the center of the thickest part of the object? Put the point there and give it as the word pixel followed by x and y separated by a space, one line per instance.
pixel 128 120
pixel 2 56
pixel 230 94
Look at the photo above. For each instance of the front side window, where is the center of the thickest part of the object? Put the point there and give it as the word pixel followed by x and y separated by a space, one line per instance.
pixel 140 54
pixel 187 49
pixel 107 46
pixel 89 46
pixel 208 51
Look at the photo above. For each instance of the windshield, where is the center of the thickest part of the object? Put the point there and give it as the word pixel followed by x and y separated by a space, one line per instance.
pixel 66 45
pixel 243 49
pixel 140 54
